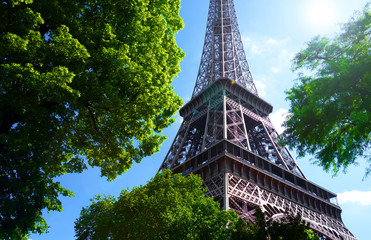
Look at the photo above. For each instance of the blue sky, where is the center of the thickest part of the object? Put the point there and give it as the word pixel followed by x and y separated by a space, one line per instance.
pixel 272 32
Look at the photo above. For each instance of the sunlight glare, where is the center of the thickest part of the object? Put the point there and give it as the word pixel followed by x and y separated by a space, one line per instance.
pixel 321 15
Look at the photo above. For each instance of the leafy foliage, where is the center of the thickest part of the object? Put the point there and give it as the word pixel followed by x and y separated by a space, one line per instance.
pixel 175 207
pixel 249 231
pixel 168 207
pixel 78 81
pixel 331 110
pixel 289 227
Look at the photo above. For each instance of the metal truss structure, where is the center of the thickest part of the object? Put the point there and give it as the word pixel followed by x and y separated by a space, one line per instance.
pixel 228 139
pixel 223 54
pixel 244 195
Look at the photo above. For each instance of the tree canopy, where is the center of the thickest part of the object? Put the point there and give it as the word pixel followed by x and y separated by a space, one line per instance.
pixel 81 83
pixel 168 207
pixel 288 227
pixel 175 207
pixel 330 104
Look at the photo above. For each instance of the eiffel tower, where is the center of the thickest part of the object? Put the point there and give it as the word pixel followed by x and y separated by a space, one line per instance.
pixel 228 139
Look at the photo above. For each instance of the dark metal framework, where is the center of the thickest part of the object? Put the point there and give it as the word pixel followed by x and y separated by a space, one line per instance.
pixel 227 137
pixel 223 54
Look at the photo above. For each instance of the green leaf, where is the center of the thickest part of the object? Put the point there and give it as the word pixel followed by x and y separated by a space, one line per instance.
pixel 331 109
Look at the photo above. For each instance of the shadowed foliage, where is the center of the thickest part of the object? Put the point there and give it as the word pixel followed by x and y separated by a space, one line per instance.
pixel 288 227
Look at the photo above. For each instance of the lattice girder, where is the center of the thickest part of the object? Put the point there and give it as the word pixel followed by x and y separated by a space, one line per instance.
pixel 223 115
pixel 275 206
pixel 223 54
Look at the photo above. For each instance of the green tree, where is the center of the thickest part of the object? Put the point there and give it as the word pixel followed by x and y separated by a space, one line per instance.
pixel 168 207
pixel 245 230
pixel 330 109
pixel 288 227
pixel 81 83
pixel 174 207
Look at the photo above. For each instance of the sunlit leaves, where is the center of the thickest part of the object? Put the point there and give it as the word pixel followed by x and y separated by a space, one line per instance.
pixel 168 207
pixel 331 110
pixel 81 83
pixel 175 207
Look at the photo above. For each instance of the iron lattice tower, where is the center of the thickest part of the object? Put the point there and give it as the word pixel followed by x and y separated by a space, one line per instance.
pixel 228 139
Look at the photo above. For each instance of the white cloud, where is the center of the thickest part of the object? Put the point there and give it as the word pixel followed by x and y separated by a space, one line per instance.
pixel 273 53
pixel 259 45
pixel 260 85
pixel 277 118
pixel 272 41
pixel 255 49
pixel 355 197
pixel 245 39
